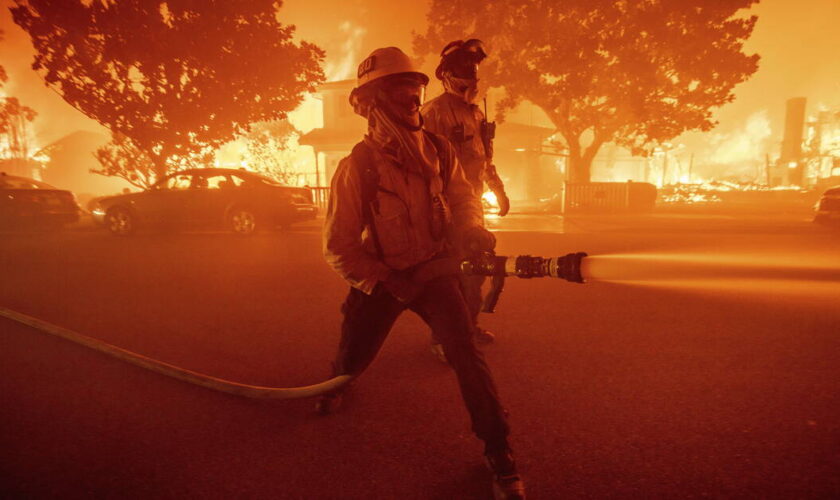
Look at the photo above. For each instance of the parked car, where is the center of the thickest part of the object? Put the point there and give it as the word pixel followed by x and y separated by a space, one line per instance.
pixel 828 208
pixel 29 204
pixel 205 198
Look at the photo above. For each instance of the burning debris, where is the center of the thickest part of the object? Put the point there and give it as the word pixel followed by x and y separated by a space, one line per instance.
pixel 714 192
pixel 688 194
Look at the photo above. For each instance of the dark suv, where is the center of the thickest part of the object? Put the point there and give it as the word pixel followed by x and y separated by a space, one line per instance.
pixel 828 208
pixel 207 198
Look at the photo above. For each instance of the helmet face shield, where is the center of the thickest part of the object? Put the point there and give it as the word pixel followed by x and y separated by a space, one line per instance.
pixel 475 47
pixel 405 92
pixel 461 59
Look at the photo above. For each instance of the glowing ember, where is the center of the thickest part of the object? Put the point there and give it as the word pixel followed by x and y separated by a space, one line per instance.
pixel 708 192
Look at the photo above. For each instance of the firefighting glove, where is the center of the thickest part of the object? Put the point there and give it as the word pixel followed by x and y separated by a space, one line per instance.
pixel 402 287
pixel 477 239
pixel 502 200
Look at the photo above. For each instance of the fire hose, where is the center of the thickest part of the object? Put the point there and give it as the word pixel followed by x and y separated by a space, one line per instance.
pixel 524 266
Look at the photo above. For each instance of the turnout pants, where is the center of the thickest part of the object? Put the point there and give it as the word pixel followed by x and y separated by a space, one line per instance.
pixel 471 289
pixel 369 318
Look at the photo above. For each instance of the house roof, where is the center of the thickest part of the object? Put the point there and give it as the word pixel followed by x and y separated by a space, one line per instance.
pixel 339 139
pixel 78 139
pixel 347 85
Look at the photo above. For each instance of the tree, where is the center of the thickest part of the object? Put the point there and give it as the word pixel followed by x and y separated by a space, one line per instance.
pixel 122 158
pixel 637 73
pixel 14 128
pixel 3 75
pixel 14 123
pixel 175 77
pixel 268 150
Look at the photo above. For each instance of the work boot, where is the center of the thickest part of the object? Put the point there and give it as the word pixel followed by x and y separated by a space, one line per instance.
pixel 437 350
pixel 507 484
pixel 483 336
pixel 329 403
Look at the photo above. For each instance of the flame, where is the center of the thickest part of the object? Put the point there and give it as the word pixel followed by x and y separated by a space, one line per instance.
pixel 490 203
pixel 309 115
pixel 18 142
pixel 708 191
pixel 747 144
pixel 489 197
pixel 345 67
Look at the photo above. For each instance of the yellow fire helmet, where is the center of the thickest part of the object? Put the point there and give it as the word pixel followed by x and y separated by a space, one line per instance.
pixel 386 62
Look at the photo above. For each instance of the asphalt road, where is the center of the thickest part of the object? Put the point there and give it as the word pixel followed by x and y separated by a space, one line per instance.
pixel 616 390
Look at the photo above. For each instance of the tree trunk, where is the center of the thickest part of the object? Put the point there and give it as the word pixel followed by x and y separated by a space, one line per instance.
pixel 580 160
pixel 579 170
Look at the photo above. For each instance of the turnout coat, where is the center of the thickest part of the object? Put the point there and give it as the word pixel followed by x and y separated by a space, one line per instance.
pixel 401 210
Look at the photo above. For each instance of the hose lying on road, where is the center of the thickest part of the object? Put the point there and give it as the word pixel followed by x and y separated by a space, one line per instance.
pixel 200 379
pixel 523 266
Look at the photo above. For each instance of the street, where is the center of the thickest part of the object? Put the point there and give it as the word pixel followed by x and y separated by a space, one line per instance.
pixel 615 390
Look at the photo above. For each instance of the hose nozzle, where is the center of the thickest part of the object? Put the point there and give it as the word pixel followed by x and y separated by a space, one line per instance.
pixel 567 267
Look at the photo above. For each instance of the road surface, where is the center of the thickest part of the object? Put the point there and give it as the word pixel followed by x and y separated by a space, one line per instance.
pixel 616 390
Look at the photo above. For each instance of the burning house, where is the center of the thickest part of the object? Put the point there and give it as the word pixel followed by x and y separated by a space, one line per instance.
pixel 822 148
pixel 69 160
pixel 810 152
pixel 529 167
pixel 17 140
pixel 341 129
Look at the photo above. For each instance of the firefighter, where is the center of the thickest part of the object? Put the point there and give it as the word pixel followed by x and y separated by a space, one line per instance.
pixel 393 203
pixel 455 115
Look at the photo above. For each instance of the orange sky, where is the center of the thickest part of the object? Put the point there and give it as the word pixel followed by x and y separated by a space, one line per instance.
pixel 796 39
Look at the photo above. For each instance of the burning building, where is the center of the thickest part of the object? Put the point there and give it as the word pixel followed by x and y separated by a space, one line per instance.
pixel 528 166
pixel 810 153
pixel 68 161
pixel 341 129
pixel 822 149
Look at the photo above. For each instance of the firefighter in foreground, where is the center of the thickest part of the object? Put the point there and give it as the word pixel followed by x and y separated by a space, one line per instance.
pixel 455 115
pixel 395 204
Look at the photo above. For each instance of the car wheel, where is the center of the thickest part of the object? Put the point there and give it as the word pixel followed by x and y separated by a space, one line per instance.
pixel 242 221
pixel 120 222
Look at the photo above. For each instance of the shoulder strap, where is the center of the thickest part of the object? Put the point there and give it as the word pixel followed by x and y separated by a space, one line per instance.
pixel 363 161
pixel 442 147
pixel 369 175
